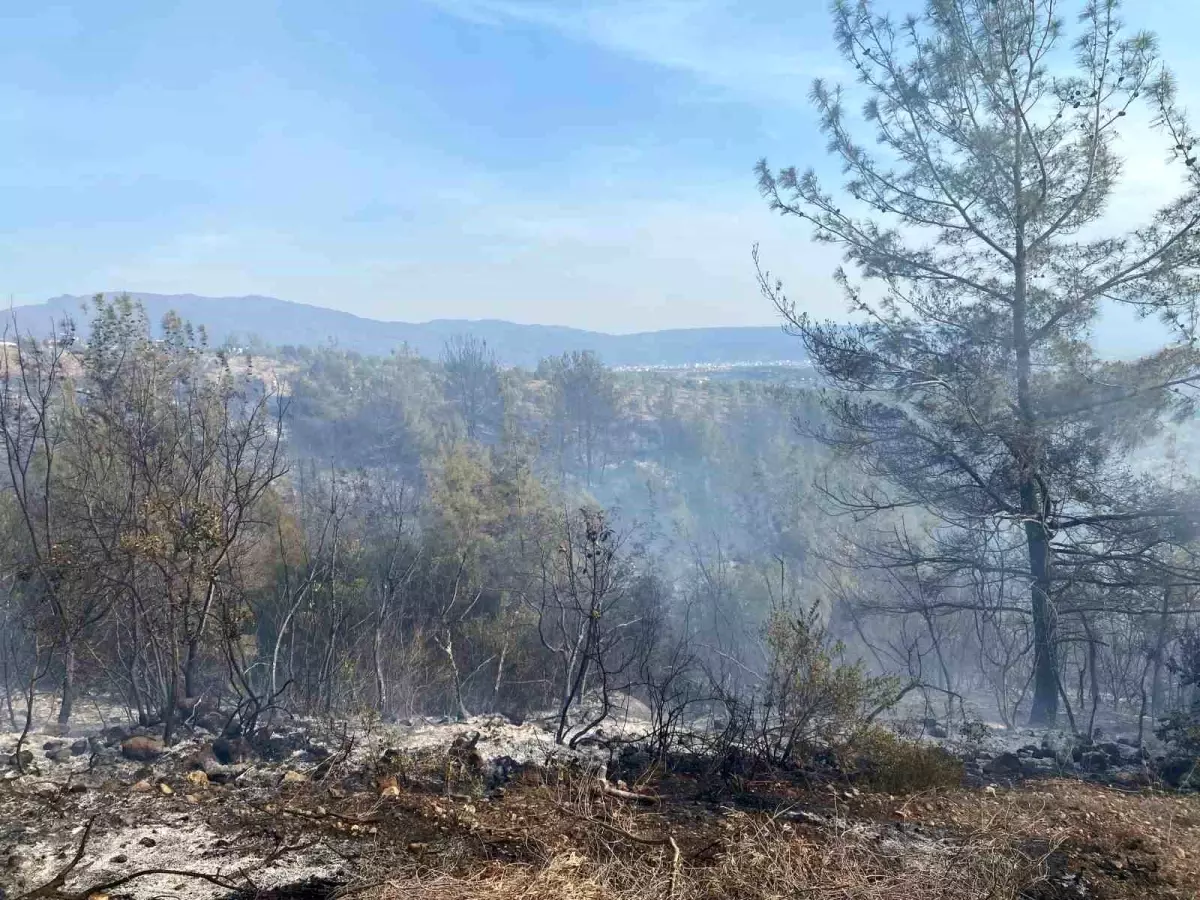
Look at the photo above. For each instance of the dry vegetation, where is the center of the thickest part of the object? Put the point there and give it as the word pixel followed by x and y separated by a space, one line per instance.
pixel 400 830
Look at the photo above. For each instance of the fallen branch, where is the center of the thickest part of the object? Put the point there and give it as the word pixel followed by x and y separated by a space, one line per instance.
pixel 668 841
pixel 142 873
pixel 50 888
pixel 317 817
pixel 606 788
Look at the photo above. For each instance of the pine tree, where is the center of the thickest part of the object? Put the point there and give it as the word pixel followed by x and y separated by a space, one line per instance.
pixel 979 258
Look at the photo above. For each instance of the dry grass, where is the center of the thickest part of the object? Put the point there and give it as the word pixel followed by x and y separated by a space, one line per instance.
pixel 1041 841
pixel 551 835
pixel 761 861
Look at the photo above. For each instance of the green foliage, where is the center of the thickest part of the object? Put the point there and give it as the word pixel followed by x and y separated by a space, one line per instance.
pixel 888 762
pixel 810 694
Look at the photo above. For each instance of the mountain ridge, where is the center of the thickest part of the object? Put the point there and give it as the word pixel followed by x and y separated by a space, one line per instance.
pixel 280 322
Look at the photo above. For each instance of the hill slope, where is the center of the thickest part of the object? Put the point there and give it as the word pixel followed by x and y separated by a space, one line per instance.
pixel 278 322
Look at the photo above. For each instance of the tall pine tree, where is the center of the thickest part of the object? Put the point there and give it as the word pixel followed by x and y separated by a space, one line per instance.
pixel 979 258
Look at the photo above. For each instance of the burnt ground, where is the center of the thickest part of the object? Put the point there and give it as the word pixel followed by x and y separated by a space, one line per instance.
pixel 375 816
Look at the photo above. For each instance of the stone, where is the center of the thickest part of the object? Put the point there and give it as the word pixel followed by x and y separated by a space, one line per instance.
pixel 197 777
pixel 934 728
pixel 1179 771
pixel 51 746
pixel 1004 764
pixel 1095 761
pixel 294 778
pixel 141 749
pixel 80 747
pixel 115 735
pixel 229 750
pixel 1037 765
pixel 25 759
pixel 62 754
pixel 148 842
pixel 219 774
pixel 142 787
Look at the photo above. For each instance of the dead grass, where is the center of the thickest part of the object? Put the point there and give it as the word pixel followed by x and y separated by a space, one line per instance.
pixel 1041 841
pixel 760 861
pixel 551 835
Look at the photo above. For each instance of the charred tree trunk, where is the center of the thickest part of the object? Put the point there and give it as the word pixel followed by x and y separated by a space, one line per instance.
pixel 68 683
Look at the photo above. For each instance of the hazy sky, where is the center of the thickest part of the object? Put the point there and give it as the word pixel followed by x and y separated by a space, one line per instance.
pixel 580 162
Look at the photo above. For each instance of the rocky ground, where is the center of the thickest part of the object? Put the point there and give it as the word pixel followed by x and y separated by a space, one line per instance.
pixel 489 808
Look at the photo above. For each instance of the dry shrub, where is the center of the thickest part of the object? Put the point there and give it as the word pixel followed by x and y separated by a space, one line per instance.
pixel 568 876
pixel 871 862
pixel 899 765
pixel 760 860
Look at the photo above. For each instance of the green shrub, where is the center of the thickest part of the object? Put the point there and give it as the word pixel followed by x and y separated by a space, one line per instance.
pixel 811 696
pixel 899 765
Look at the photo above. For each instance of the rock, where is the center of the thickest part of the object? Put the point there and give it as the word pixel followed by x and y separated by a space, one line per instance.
pixel 148 842
pixel 229 750
pixel 197 777
pixel 211 721
pixel 290 777
pixel 80 747
pixel 1037 765
pixel 1095 761
pixel 219 774
pixel 1004 764
pixel 62 754
pixel 142 749
pixel 51 746
pixel 120 858
pixel 115 735
pixel 503 769
pixel 1031 750
pixel 1132 778
pixel 142 787
pixel 1179 771
pixel 165 789
pixel 26 759
pixel 934 728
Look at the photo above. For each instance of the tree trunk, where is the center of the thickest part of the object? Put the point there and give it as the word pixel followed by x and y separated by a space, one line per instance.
pixel 190 687
pixel 1160 646
pixel 68 683
pixel 1044 709
pixel 377 655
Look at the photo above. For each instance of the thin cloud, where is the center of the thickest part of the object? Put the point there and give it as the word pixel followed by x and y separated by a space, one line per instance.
pixel 737 56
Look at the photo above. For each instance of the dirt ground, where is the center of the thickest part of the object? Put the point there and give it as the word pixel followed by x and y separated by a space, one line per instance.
pixel 490 809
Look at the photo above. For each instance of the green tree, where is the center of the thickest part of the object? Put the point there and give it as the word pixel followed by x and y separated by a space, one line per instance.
pixel 977 232
pixel 585 405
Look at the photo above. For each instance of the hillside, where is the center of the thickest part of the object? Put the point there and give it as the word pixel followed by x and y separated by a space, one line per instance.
pixel 280 322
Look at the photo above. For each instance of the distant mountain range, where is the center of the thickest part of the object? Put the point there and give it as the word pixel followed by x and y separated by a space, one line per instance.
pixel 279 322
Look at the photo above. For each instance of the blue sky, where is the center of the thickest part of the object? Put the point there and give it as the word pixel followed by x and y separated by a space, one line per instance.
pixel 579 162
